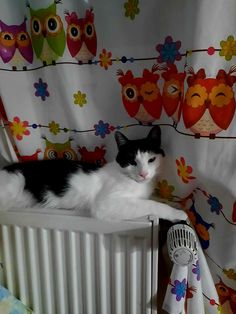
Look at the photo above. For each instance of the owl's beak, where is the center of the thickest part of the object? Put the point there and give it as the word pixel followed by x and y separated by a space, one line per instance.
pixel 82 38
pixel 140 98
pixel 44 32
pixel 207 103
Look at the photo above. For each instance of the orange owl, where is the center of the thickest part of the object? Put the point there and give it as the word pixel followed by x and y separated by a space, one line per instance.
pixel 226 294
pixel 173 92
pixel 209 103
pixel 141 95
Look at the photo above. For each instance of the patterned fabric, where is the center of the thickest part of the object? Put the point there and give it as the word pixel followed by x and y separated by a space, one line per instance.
pixel 71 75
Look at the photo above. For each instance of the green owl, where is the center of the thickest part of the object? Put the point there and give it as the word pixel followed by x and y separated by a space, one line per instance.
pixel 59 150
pixel 47 33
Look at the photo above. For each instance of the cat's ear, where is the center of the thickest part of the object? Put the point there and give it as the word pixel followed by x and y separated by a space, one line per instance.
pixel 155 134
pixel 120 139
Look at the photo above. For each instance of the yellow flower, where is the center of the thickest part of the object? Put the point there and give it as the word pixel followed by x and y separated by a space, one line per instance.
pixel 80 99
pixel 228 48
pixel 105 59
pixel 196 95
pixel 221 95
pixel 54 127
pixel 149 91
pixel 165 190
pixel 19 128
pixel 131 8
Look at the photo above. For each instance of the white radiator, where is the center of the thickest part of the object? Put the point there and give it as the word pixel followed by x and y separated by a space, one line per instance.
pixel 65 264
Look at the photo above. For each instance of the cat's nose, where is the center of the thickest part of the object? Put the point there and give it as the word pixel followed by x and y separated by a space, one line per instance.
pixel 143 174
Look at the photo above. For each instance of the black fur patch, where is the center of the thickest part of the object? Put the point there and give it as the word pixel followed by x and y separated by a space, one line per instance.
pixel 127 152
pixel 48 175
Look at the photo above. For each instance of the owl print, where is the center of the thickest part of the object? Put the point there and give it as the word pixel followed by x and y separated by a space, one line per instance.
pixel 59 150
pixel 141 95
pixel 209 103
pixel 47 33
pixel 15 45
pixel 227 297
pixel 97 156
pixel 173 92
pixel 81 36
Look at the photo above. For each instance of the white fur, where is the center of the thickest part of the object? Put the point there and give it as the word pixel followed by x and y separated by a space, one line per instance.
pixel 111 193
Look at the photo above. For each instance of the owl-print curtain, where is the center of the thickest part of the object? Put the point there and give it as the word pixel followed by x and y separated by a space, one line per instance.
pixel 73 72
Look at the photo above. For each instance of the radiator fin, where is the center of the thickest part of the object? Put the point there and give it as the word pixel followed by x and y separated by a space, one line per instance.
pixel 75 272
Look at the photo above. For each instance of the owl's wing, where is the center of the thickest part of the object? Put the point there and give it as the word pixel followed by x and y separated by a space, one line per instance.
pixel 192 115
pixel 154 108
pixel 27 53
pixel 57 43
pixel 7 53
pixel 223 116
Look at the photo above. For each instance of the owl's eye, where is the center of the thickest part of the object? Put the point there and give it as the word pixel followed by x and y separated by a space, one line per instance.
pixel 7 39
pixel 52 154
pixel 221 95
pixel 22 39
pixel 196 96
pixel 89 30
pixel 222 290
pixel 68 155
pixel 130 93
pixel 74 32
pixel 36 26
pixel 53 24
pixel 172 89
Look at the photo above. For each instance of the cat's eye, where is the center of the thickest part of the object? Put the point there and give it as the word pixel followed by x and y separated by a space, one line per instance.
pixel 133 163
pixel 151 159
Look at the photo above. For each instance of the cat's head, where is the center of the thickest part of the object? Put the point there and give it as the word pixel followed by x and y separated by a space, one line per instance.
pixel 140 159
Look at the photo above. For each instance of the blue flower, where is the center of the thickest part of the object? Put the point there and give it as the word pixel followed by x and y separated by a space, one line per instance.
pixel 196 270
pixel 41 89
pixel 179 289
pixel 216 206
pixel 169 51
pixel 102 129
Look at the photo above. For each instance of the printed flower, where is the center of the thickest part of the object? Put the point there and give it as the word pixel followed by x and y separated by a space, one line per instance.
pixel 216 206
pixel 169 51
pixel 165 190
pixel 131 8
pixel 105 59
pixel 41 89
pixel 19 128
pixel 196 270
pixel 184 171
pixel 179 289
pixel 80 99
pixel 149 91
pixel 228 48
pixel 54 127
pixel 230 273
pixel 101 129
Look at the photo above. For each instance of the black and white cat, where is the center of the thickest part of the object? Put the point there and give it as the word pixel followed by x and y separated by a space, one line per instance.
pixel 119 190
